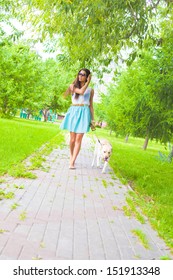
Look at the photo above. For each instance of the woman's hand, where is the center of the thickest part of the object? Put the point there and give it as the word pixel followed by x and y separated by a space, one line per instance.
pixel 93 125
pixel 71 88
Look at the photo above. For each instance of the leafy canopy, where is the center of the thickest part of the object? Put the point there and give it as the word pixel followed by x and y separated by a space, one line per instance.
pixel 93 31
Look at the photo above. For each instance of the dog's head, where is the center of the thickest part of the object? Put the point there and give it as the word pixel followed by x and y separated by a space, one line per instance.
pixel 106 150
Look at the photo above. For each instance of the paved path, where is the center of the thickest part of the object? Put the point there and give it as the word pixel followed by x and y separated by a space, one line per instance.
pixel 72 214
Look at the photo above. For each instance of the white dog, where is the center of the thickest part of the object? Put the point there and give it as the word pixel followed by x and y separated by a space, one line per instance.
pixel 102 152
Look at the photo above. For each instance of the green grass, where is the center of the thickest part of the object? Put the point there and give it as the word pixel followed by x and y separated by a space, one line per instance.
pixel 6 195
pixel 14 206
pixel 131 209
pixel 20 138
pixel 150 178
pixel 165 258
pixel 105 184
pixel 23 216
pixel 18 187
pixel 142 238
pixel 3 230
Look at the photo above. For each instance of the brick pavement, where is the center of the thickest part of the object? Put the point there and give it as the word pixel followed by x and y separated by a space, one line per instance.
pixel 72 214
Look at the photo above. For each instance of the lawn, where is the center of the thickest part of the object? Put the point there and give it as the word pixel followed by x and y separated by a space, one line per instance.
pixel 150 178
pixel 20 138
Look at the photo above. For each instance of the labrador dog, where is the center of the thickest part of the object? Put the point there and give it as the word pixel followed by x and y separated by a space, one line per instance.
pixel 102 152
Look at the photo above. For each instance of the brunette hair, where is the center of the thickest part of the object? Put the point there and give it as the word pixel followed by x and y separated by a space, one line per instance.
pixel 76 83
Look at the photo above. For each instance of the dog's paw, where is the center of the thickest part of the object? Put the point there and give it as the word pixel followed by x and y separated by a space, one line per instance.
pixel 103 170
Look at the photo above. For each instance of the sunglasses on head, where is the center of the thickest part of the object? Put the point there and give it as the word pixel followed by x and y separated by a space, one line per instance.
pixel 81 74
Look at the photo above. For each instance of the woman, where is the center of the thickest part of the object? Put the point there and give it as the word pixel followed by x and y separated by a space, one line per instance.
pixel 80 115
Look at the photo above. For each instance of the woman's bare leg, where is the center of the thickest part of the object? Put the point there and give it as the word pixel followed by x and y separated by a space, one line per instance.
pixel 76 148
pixel 72 143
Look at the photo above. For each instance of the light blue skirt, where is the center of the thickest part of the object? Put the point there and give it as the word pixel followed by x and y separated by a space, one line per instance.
pixel 77 119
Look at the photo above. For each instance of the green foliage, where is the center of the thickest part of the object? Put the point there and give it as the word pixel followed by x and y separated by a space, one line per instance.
pixel 6 14
pixel 56 79
pixel 28 82
pixel 19 73
pixel 141 103
pixel 93 31
pixel 136 109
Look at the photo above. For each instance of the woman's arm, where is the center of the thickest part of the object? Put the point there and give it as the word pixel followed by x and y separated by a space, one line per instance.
pixel 82 89
pixel 91 105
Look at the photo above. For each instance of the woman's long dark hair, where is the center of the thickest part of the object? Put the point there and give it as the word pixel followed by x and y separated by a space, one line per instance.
pixel 76 83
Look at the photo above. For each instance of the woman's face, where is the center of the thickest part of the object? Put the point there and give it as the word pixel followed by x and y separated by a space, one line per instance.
pixel 82 76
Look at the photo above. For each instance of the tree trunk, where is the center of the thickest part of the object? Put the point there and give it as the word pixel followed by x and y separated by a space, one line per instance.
pixel 170 156
pixel 145 143
pixel 127 138
pixel 4 108
pixel 28 115
pixel 45 114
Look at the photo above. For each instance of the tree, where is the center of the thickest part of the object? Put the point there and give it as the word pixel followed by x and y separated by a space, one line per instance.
pixel 19 73
pixel 141 97
pixel 56 79
pixel 94 31
pixel 29 82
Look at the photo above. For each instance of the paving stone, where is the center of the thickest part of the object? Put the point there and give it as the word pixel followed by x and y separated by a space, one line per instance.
pixel 72 214
pixel 13 247
pixel 81 249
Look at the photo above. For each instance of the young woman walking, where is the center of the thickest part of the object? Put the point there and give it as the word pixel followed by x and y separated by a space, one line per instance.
pixel 80 115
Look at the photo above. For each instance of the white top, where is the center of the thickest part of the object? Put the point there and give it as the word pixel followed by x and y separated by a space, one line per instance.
pixel 83 98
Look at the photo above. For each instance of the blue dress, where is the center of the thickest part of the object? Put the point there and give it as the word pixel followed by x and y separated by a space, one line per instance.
pixel 78 118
